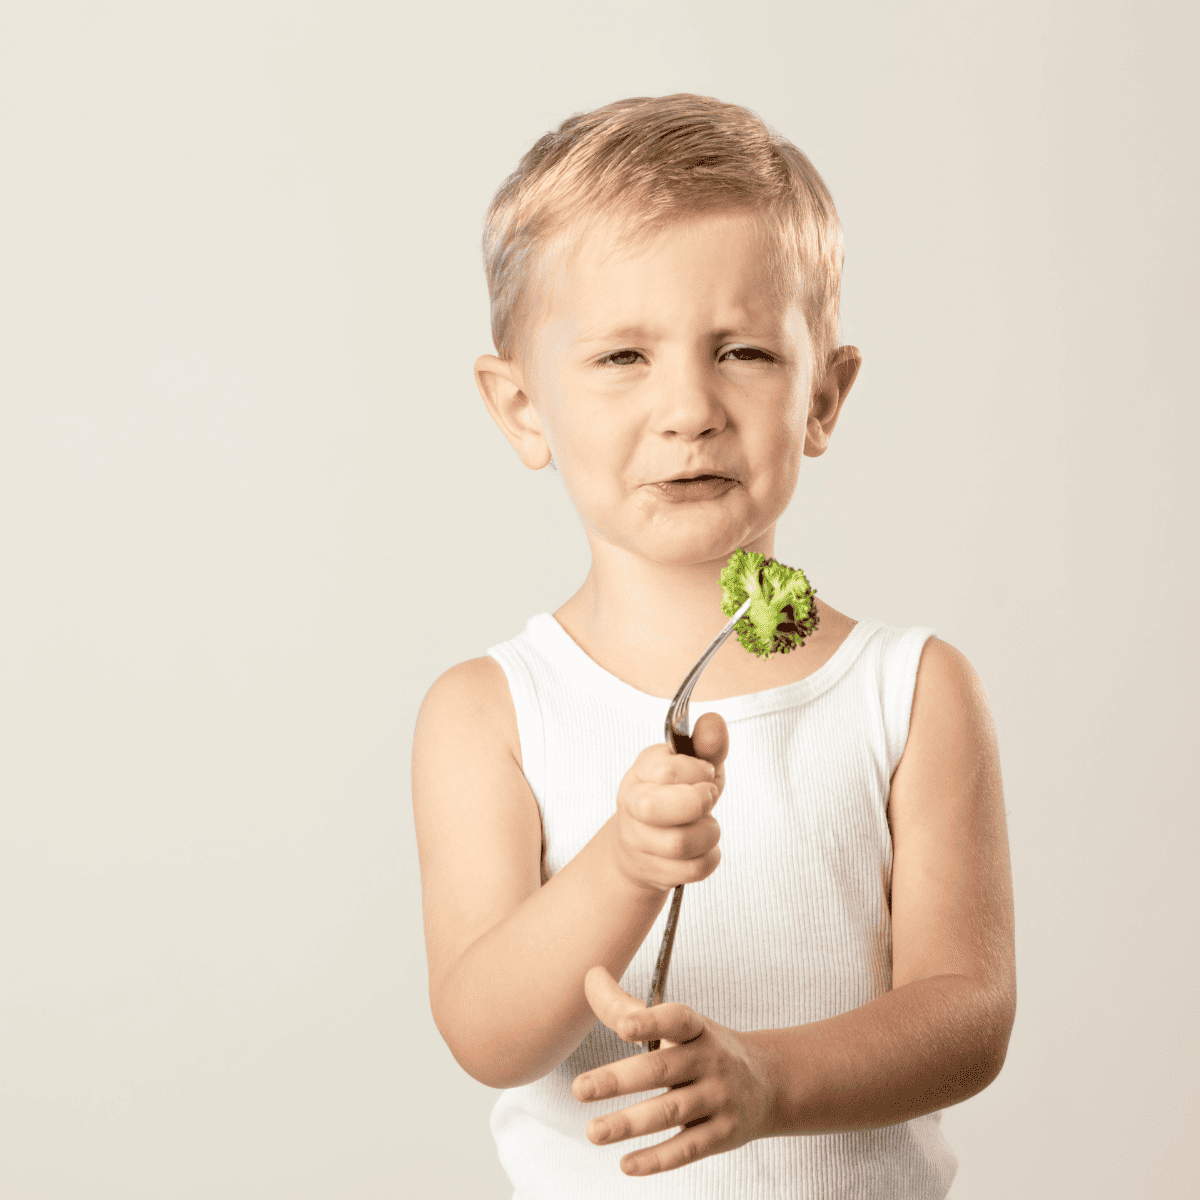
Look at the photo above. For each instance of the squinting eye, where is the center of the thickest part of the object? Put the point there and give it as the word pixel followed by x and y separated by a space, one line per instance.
pixel 627 358
pixel 616 354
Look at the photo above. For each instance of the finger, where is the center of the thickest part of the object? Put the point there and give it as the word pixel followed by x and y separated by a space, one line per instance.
pixel 663 765
pixel 710 739
pixel 610 1002
pixel 666 872
pixel 681 1106
pixel 680 842
pixel 680 1023
pixel 667 864
pixel 669 804
pixel 674 1025
pixel 687 1147
pixel 640 1073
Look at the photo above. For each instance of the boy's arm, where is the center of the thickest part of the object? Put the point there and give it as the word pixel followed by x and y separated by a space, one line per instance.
pixel 938 1037
pixel 507 955
pixel 942 1033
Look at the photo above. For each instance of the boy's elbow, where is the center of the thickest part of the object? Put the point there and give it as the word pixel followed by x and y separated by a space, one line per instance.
pixel 970 1074
pixel 494 1067
pixel 976 1050
pixel 481 1072
pixel 1000 1049
pixel 461 1047
pixel 491 1073
pixel 467 1057
pixel 990 1064
pixel 993 1045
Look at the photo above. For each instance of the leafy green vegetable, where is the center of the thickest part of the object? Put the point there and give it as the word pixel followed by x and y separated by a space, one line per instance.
pixel 783 611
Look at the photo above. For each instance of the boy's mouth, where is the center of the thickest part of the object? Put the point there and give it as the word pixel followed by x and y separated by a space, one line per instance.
pixel 695 487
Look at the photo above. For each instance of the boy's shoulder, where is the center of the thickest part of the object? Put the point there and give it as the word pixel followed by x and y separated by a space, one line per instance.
pixel 946 669
pixel 471 696
pixel 473 687
pixel 950 714
pixel 471 674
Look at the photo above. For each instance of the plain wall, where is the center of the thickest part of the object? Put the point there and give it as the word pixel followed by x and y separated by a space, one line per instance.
pixel 240 301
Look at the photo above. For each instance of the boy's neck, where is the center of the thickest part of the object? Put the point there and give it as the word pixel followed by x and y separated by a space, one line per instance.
pixel 648 622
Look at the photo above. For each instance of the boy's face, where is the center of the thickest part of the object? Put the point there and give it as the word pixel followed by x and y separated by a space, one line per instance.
pixel 668 363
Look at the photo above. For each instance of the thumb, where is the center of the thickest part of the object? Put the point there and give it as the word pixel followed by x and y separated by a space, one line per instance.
pixel 710 739
pixel 615 1006
pixel 608 999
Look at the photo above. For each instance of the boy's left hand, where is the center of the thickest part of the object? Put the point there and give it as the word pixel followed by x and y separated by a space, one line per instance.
pixel 720 1087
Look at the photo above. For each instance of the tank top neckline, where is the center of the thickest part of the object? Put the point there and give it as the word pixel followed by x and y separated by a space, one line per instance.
pixel 558 645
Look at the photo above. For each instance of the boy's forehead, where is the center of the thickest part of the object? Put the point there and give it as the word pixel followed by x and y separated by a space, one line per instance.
pixel 603 283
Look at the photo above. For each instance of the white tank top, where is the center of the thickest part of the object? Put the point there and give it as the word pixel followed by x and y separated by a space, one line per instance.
pixel 793 926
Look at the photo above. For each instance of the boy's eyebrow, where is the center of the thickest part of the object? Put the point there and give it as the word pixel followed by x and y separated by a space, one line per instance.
pixel 636 333
pixel 632 333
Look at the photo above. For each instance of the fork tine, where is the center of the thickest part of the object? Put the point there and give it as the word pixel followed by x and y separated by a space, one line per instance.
pixel 677 714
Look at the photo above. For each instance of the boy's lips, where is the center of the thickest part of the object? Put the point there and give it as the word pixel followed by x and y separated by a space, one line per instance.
pixel 696 486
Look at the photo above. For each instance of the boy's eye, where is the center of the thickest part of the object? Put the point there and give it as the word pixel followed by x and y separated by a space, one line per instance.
pixel 621 358
pixel 626 358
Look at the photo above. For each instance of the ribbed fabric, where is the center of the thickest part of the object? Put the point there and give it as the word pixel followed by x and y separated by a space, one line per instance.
pixel 793 926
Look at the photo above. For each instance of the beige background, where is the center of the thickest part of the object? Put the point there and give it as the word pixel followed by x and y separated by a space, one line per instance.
pixel 240 298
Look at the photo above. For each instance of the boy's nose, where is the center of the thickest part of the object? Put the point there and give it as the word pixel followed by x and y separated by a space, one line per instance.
pixel 689 404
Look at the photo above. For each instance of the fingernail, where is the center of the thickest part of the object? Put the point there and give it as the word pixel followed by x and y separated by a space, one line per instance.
pixel 600 1132
pixel 587 1089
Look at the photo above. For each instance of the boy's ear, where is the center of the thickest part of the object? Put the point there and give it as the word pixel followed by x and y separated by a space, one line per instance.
pixel 503 392
pixel 841 370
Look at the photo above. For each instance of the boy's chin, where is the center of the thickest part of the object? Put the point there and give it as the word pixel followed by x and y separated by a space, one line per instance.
pixel 686 548
pixel 683 534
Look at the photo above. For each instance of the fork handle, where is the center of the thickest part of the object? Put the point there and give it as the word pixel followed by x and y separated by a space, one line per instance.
pixel 683 745
pixel 664 958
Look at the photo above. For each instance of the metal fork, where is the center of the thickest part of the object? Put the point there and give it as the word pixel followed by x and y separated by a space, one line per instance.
pixel 678 730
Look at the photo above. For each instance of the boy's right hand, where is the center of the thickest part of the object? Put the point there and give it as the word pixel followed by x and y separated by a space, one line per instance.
pixel 665 835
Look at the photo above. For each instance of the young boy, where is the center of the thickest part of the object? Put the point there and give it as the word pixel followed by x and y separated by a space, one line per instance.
pixel 664 277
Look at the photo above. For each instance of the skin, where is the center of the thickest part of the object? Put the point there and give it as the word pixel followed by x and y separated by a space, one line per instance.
pixel 718 379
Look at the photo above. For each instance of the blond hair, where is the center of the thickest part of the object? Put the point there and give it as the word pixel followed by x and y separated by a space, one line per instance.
pixel 648 161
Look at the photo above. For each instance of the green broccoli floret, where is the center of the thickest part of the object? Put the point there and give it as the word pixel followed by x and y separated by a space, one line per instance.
pixel 783 611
